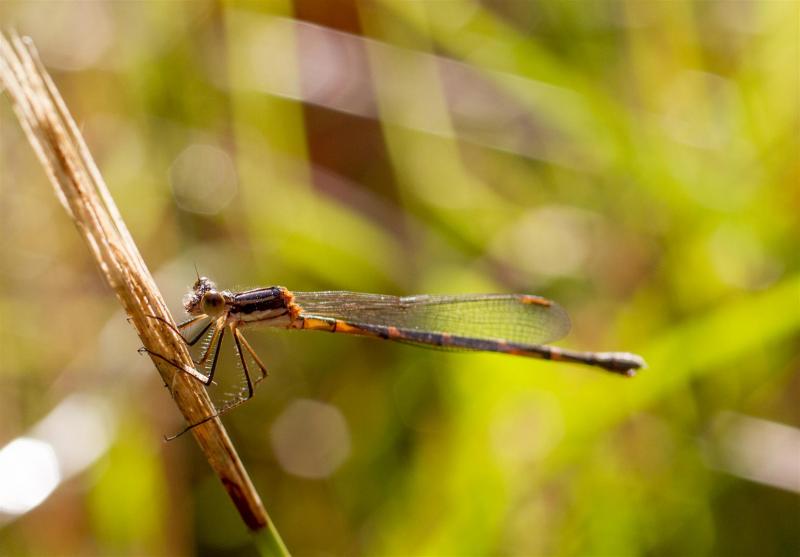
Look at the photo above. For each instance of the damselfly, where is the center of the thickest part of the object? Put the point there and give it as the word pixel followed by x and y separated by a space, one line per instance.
pixel 518 324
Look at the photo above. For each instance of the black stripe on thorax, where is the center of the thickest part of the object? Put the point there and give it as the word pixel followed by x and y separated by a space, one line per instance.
pixel 260 299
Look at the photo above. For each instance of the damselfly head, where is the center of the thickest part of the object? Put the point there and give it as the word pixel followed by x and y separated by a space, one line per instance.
pixel 193 301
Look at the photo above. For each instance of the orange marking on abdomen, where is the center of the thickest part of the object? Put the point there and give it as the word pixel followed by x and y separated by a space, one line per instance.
pixel 515 350
pixel 555 353
pixel 537 300
pixel 345 327
pixel 504 348
pixel 315 324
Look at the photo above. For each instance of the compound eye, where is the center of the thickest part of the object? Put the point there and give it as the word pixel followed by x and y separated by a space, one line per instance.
pixel 213 302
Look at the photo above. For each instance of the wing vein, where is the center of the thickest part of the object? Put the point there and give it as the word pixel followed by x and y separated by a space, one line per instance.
pixel 511 317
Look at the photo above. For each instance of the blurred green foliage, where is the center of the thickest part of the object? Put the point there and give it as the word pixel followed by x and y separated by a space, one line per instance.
pixel 636 161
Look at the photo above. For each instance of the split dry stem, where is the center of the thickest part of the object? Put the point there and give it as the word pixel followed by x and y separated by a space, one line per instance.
pixel 58 144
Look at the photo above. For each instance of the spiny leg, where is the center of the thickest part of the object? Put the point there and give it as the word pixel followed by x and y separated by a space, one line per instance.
pixel 188 323
pixel 186 369
pixel 215 343
pixel 212 343
pixel 207 379
pixel 236 338
pixel 191 321
pixel 199 335
pixel 185 324
pixel 240 342
pixel 220 333
pixel 224 410
pixel 253 354
pixel 192 426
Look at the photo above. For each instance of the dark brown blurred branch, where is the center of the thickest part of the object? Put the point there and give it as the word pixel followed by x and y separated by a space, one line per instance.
pixel 80 188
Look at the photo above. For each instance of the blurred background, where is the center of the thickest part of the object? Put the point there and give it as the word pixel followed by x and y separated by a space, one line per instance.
pixel 635 161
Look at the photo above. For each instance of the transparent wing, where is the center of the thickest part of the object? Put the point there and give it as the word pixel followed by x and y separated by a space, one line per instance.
pixel 512 317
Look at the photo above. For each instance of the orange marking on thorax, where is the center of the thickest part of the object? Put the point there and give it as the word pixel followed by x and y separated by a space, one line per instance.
pixel 537 300
pixel 294 308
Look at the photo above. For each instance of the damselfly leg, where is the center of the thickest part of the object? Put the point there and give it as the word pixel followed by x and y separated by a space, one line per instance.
pixel 209 357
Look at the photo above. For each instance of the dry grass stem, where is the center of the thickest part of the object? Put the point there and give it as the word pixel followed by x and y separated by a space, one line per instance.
pixel 62 151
